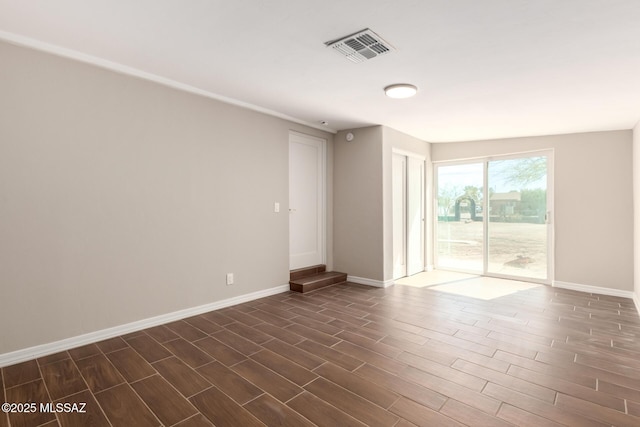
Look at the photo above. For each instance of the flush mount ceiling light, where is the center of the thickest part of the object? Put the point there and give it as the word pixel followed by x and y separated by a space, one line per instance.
pixel 400 91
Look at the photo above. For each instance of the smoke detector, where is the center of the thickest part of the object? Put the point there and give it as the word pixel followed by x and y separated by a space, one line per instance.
pixel 360 46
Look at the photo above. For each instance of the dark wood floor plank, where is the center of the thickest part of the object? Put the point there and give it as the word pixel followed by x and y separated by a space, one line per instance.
pixel 222 411
pixel 34 391
pixel 252 334
pixel 633 408
pixel 197 421
pixel 124 408
pixel 313 335
pixel 598 412
pixel 358 385
pixel 270 318
pixel 20 373
pixel 130 364
pixel 295 354
pixel 421 415
pixel 420 394
pixel 44 360
pixel 317 326
pixel 619 391
pixel 535 406
pixel 166 403
pixel 341 359
pixel 523 418
pixel 62 379
pixel 241 317
pixel 447 388
pixel 470 416
pixel 186 380
pixel 112 344
pixel 526 387
pixel 161 333
pixel 569 388
pixel 188 353
pixel 148 348
pixel 370 344
pixel 365 355
pixel 290 370
pixel 321 413
pixel 221 352
pixel 92 415
pixel 273 413
pixel 354 405
pixel 217 317
pixel 229 382
pixel 279 309
pixel 203 324
pixel 308 314
pixel 99 373
pixel 84 351
pixel 461 377
pixel 267 380
pixel 237 342
pixel 570 372
pixel 280 333
pixel 186 330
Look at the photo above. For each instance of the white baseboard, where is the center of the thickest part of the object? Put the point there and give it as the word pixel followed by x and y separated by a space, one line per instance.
pixel 600 290
pixel 18 356
pixel 594 289
pixel 370 282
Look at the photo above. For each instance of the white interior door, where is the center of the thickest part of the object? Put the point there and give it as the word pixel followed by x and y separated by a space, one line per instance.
pixel 399 171
pixel 306 200
pixel 415 215
pixel 408 215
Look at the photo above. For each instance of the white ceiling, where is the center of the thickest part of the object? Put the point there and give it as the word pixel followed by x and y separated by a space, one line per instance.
pixel 485 68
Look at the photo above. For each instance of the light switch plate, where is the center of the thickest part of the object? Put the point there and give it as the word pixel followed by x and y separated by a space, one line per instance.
pixel 276 207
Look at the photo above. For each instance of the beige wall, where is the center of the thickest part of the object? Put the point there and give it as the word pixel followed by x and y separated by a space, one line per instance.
pixel 121 199
pixel 357 214
pixel 636 210
pixel 363 213
pixel 593 201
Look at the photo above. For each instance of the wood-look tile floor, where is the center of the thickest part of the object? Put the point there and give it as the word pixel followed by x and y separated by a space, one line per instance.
pixel 351 355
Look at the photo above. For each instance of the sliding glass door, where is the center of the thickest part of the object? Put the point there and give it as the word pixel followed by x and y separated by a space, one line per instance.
pixel 493 216
pixel 517 237
pixel 460 230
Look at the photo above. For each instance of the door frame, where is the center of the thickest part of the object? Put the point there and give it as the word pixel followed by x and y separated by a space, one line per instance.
pixel 549 153
pixel 322 190
pixel 422 203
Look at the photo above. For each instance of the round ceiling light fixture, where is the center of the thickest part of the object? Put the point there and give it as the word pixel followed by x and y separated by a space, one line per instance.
pixel 400 91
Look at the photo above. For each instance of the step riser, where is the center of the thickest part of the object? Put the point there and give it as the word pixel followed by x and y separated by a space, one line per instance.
pixel 298 287
pixel 306 272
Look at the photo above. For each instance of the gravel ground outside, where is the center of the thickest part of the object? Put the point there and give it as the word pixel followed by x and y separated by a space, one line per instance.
pixel 517 249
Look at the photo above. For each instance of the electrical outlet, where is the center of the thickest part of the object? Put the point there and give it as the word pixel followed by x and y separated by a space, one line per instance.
pixel 229 278
pixel 276 207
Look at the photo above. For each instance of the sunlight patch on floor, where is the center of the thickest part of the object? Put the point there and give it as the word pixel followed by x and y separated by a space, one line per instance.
pixel 485 288
pixel 430 278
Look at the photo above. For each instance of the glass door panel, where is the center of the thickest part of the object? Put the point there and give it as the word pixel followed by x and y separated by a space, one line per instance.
pixel 460 231
pixel 517 237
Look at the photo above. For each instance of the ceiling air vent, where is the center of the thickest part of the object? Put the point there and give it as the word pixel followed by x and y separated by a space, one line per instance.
pixel 360 46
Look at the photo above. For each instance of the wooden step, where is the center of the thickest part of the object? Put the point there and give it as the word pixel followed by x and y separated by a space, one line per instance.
pixel 317 281
pixel 307 271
